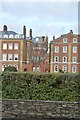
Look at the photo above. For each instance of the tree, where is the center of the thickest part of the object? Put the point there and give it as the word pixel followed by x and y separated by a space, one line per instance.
pixel 10 69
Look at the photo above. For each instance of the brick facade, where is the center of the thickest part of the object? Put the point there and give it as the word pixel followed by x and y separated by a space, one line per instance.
pixel 64 53
pixel 20 51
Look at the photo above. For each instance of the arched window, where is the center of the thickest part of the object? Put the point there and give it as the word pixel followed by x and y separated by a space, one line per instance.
pixel 55 68
pixel 56 59
pixel 74 69
pixel 10 36
pixel 5 36
pixel 64 68
pixel 64 59
pixel 74 59
pixel 16 36
pixel 25 69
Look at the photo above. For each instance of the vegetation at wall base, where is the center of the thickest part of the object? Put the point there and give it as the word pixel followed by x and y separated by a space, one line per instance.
pixel 37 86
pixel 10 69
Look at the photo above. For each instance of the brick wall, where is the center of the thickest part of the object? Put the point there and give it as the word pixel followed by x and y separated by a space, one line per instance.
pixel 40 109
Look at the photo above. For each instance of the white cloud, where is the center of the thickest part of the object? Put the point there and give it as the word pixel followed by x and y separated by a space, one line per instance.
pixel 44 18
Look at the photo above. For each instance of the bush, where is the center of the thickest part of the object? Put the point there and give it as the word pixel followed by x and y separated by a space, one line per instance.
pixel 10 69
pixel 60 87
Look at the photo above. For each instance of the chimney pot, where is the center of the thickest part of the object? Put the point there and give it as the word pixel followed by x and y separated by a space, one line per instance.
pixel 71 31
pixel 5 28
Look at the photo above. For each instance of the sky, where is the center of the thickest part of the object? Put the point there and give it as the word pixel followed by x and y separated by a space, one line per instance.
pixel 51 18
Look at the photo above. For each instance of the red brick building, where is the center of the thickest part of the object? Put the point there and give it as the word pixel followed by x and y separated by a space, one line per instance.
pixel 40 56
pixel 12 49
pixel 25 53
pixel 65 53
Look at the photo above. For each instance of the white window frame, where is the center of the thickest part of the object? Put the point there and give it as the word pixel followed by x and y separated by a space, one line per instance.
pixel 4 57
pixel 9 57
pixel 56 59
pixel 74 40
pixel 64 59
pixel 64 68
pixel 55 68
pixel 74 69
pixel 16 46
pixel 65 49
pixel 74 59
pixel 4 46
pixel 56 49
pixel 64 40
pixel 15 57
pixel 3 67
pixel 10 46
pixel 74 49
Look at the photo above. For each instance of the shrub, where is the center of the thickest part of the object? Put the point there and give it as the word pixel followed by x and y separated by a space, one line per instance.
pixel 36 86
pixel 10 69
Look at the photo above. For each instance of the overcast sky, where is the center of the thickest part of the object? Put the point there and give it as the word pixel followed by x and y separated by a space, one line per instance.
pixel 45 18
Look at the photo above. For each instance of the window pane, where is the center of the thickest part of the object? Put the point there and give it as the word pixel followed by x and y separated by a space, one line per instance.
pixel 64 68
pixel 74 49
pixel 15 56
pixel 74 40
pixel 74 69
pixel 56 49
pixel 4 57
pixel 64 40
pixel 64 59
pixel 56 68
pixel 56 59
pixel 10 57
pixel 74 59
pixel 4 46
pixel 64 49
pixel 16 46
pixel 10 46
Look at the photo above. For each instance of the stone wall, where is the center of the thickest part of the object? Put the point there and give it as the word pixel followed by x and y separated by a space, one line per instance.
pixel 41 109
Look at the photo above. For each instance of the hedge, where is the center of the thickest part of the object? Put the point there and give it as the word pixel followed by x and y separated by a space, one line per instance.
pixel 37 86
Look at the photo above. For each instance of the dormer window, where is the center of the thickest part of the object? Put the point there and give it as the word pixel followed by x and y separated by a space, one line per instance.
pixel 11 36
pixel 5 36
pixel 64 40
pixel 16 36
pixel 37 39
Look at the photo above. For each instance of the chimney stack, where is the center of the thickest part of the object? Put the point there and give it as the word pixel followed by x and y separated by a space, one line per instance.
pixel 24 31
pixel 71 31
pixel 43 38
pixel 5 28
pixel 53 37
pixel 31 34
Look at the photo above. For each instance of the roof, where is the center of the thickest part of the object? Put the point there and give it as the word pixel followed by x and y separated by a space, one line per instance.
pixel 64 35
pixel 8 32
pixel 38 39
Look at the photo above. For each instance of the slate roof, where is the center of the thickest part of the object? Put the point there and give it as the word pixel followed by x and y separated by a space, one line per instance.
pixel 8 33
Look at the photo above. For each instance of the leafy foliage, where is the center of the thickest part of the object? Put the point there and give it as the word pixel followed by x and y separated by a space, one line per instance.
pixel 10 69
pixel 36 86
